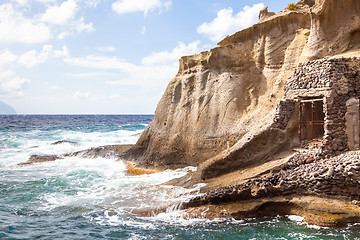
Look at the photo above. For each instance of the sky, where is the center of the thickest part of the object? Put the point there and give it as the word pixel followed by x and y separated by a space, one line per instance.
pixel 107 56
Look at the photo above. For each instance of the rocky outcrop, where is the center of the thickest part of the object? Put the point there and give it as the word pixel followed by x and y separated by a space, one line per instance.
pixel 337 177
pixel 65 142
pixel 109 151
pixel 228 96
pixel 275 134
pixel 335 28
pixel 265 14
pixel 40 158
pixel 334 180
pixel 319 211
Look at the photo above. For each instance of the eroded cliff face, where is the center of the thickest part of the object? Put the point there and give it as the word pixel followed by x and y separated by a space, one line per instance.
pixel 335 28
pixel 222 95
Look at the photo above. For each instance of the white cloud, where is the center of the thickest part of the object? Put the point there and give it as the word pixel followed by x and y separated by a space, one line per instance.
pixel 107 49
pixel 82 26
pixel 76 26
pixel 143 30
pixel 33 58
pixel 11 85
pixel 45 1
pixel 7 57
pixel 92 3
pixel 87 74
pixel 115 96
pixel 62 53
pixel 51 86
pixel 60 14
pixel 226 23
pixel 14 27
pixel 129 6
pixel 63 35
pixel 80 94
pixel 125 73
pixel 149 77
pixel 174 55
pixel 19 22
pixel 155 71
pixel 21 2
pixel 100 62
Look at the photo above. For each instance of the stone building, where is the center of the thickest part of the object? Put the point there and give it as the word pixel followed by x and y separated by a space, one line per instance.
pixel 325 95
pixel 319 110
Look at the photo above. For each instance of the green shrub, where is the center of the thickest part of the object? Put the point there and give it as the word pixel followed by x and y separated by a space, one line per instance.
pixel 292 6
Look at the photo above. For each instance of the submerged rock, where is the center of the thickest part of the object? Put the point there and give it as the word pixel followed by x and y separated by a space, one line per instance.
pixel 40 158
pixel 110 151
pixel 65 141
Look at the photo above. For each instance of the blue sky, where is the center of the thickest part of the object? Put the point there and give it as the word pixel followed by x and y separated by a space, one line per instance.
pixel 107 56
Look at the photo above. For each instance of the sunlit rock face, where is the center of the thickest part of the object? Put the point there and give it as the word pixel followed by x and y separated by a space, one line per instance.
pixel 220 96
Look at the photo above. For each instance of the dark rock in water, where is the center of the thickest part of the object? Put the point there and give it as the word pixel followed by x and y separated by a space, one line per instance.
pixel 38 158
pixel 103 151
pixel 65 141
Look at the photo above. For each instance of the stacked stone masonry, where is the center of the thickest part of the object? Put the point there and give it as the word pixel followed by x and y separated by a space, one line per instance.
pixel 283 113
pixel 335 177
pixel 335 81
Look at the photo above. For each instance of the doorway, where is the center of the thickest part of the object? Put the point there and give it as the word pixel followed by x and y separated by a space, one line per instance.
pixel 311 119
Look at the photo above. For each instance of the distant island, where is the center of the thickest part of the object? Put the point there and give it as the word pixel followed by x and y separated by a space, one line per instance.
pixel 6 109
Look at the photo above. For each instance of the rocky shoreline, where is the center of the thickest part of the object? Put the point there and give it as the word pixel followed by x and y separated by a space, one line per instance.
pixel 324 191
pixel 335 179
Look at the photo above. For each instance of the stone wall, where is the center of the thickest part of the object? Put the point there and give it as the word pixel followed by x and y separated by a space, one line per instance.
pixel 337 177
pixel 336 81
pixel 283 113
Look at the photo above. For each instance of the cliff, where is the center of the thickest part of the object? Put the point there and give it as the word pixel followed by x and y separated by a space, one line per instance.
pixel 229 95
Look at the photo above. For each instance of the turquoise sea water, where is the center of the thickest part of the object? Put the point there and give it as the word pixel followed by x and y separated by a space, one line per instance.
pixel 83 198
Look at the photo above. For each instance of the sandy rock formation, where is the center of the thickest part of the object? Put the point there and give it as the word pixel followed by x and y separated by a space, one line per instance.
pixel 229 94
pixel 335 28
pixel 265 15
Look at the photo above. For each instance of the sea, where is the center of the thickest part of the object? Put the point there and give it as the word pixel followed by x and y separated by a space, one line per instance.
pixel 95 198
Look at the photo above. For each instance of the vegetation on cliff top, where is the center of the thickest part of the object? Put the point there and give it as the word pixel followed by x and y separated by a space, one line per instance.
pixel 291 6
